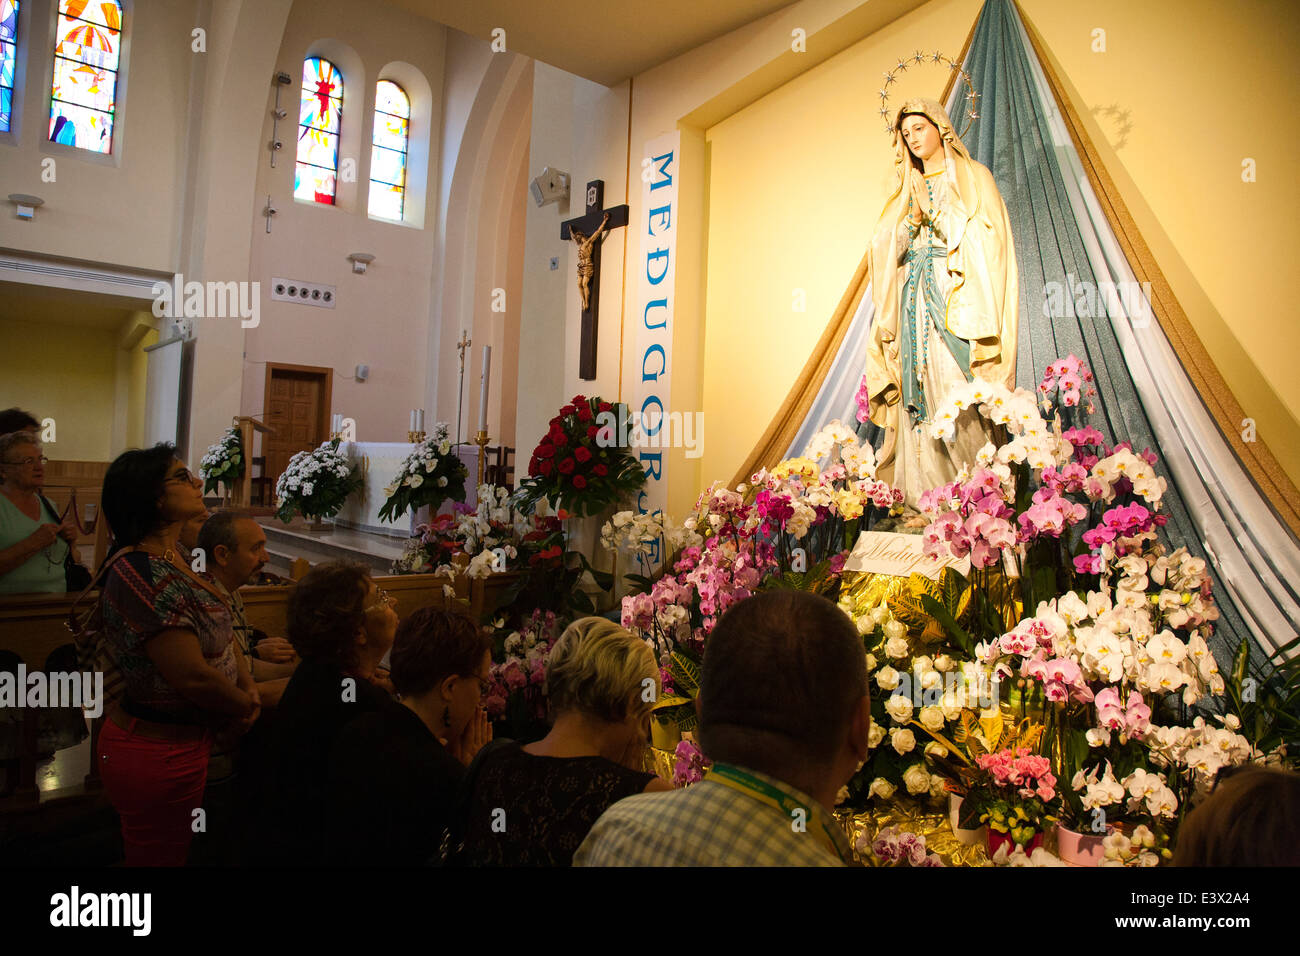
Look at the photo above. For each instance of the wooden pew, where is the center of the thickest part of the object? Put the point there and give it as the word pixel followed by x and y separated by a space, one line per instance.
pixel 33 625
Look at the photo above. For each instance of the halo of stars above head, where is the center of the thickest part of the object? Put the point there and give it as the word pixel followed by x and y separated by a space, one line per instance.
pixel 972 97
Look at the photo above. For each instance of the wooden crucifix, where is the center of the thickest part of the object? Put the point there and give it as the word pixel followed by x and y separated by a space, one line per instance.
pixel 588 232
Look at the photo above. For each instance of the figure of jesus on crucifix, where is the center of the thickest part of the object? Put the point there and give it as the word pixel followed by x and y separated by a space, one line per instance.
pixel 586 268
pixel 589 233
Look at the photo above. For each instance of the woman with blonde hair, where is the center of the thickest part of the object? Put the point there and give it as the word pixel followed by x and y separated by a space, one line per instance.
pixel 532 805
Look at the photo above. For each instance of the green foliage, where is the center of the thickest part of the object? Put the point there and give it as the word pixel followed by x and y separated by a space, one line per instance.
pixel 579 465
pixel 1269 709
pixel 417 483
pixel 223 464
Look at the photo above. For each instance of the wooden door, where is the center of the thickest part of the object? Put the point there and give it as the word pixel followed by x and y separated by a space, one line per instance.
pixel 297 404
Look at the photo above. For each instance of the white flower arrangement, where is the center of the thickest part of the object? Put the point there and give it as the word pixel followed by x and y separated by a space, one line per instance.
pixel 223 463
pixel 429 475
pixel 315 484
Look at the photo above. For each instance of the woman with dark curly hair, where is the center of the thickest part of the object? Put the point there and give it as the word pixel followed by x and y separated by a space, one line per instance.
pixel 341 624
pixel 168 634
pixel 394 774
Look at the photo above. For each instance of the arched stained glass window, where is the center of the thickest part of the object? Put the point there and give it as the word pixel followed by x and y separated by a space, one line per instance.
pixel 388 150
pixel 8 54
pixel 318 131
pixel 88 42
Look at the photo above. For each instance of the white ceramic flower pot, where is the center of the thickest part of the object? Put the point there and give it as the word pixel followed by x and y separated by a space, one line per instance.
pixel 964 837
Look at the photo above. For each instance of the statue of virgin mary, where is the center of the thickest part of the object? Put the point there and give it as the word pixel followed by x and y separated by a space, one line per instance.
pixel 943 282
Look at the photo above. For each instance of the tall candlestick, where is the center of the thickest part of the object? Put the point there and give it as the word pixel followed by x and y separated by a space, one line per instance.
pixel 410 427
pixel 419 419
pixel 483 388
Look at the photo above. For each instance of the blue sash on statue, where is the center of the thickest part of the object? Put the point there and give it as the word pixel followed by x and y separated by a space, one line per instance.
pixel 920 272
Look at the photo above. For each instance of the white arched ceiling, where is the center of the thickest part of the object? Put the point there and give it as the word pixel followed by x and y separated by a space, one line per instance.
pixel 483 228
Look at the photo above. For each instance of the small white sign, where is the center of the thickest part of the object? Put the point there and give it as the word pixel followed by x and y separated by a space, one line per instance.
pixel 885 552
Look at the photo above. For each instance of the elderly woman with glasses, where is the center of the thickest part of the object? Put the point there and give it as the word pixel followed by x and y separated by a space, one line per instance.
pixel 167 637
pixel 342 625
pixel 33 542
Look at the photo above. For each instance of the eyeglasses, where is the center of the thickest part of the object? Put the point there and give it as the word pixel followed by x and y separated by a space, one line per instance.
pixel 382 599
pixel 184 475
pixel 23 462
pixel 484 685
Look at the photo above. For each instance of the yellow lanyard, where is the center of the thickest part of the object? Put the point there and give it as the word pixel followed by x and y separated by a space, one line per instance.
pixel 764 792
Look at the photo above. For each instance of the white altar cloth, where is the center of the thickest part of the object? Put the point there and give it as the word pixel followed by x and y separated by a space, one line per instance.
pixel 380 463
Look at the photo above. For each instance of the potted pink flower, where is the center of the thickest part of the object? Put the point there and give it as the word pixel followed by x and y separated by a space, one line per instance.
pixel 1014 793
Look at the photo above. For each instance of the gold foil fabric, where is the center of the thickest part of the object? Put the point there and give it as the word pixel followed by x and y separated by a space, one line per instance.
pixel 933 824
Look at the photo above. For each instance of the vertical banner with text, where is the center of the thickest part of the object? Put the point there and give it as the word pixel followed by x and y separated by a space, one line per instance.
pixel 650 394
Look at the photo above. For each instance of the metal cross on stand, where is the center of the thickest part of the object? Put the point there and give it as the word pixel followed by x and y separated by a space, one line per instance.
pixel 588 232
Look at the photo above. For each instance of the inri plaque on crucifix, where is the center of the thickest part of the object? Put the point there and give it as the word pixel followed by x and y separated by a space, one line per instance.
pixel 588 232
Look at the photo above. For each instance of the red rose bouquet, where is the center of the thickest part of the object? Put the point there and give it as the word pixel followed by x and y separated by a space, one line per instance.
pixel 583 463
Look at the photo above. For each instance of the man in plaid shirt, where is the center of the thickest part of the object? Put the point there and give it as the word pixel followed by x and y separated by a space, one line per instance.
pixel 785 716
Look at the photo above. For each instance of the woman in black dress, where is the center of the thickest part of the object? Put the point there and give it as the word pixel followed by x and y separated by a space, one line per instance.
pixel 533 805
pixel 395 773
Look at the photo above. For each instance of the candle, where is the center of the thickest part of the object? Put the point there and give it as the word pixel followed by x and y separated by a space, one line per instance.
pixel 419 419
pixel 483 388
pixel 410 427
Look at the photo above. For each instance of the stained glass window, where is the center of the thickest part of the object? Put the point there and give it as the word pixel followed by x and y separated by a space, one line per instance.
pixel 318 131
pixel 8 53
pixel 388 150
pixel 89 38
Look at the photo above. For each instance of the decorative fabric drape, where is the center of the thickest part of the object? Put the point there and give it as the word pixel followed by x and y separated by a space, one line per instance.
pixel 1158 388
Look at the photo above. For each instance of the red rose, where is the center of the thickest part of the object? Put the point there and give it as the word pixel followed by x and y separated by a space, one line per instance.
pixel 584 414
pixel 605 406
pixel 546 467
pixel 593 431
pixel 579 399
pixel 545 450
pixel 568 410
pixel 561 440
pixel 579 482
pixel 600 470
pixel 533 469
pixel 566 466
pixel 582 454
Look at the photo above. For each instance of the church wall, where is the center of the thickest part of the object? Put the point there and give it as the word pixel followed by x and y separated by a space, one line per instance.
pixel 482 293
pixel 1184 92
pixel 579 127
pixel 40 369
pixel 689 94
pixel 227 144
pixel 119 209
pixel 381 318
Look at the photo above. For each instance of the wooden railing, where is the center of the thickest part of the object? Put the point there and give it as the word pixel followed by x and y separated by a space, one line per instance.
pixel 34 625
